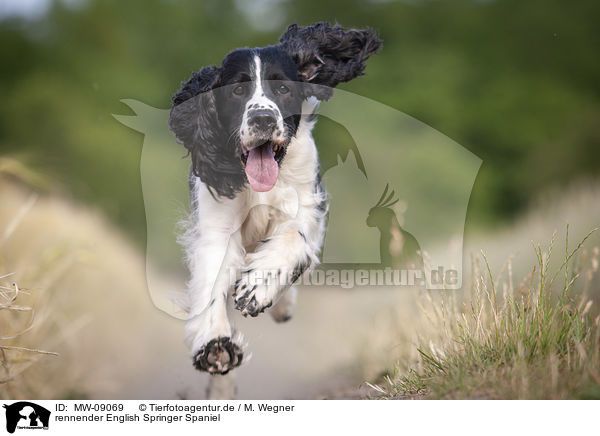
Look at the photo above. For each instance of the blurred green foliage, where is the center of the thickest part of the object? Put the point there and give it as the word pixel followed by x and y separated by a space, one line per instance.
pixel 514 82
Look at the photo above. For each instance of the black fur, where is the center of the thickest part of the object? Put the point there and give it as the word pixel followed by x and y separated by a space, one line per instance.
pixel 328 55
pixel 195 122
pixel 299 270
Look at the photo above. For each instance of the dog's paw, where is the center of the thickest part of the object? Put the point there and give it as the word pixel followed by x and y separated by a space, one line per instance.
pixel 253 294
pixel 283 310
pixel 279 317
pixel 219 356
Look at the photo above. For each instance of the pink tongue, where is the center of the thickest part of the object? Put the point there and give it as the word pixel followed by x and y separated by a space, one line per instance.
pixel 261 168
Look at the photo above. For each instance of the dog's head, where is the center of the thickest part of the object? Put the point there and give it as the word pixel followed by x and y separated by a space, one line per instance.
pixel 237 119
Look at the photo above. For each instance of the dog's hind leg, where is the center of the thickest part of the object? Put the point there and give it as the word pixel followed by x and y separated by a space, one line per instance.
pixel 283 310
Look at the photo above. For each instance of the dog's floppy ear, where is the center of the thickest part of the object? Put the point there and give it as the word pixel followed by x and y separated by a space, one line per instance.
pixel 194 120
pixel 327 55
pixel 194 115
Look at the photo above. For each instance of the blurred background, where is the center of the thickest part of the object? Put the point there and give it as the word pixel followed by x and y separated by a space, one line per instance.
pixel 514 82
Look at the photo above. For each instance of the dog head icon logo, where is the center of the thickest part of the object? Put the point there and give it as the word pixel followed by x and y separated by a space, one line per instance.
pixel 24 414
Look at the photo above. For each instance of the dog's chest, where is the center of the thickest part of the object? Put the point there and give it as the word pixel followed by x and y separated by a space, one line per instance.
pixel 267 210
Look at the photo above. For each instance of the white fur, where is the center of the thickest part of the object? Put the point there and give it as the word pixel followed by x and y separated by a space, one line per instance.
pixel 259 98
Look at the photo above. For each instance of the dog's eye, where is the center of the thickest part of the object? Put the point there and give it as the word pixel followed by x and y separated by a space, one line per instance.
pixel 282 89
pixel 238 90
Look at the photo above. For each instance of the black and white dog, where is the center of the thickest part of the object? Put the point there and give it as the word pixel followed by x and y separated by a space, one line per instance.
pixel 257 204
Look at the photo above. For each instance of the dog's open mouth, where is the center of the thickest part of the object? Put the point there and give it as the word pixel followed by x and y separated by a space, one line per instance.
pixel 261 164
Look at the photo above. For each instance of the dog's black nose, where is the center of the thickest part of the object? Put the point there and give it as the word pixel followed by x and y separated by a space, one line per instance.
pixel 263 119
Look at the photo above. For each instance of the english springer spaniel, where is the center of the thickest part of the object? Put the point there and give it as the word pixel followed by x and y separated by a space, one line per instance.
pixel 258 208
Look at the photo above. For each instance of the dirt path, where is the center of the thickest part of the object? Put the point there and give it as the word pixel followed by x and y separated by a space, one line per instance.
pixel 312 356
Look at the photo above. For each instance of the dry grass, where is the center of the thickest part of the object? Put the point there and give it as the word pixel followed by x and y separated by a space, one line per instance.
pixel 537 339
pixel 17 319
pixel 71 285
pixel 27 323
pixel 16 359
pixel 428 321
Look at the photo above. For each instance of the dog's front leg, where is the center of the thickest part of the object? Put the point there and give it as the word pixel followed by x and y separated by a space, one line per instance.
pixel 208 331
pixel 272 268
pixel 213 251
